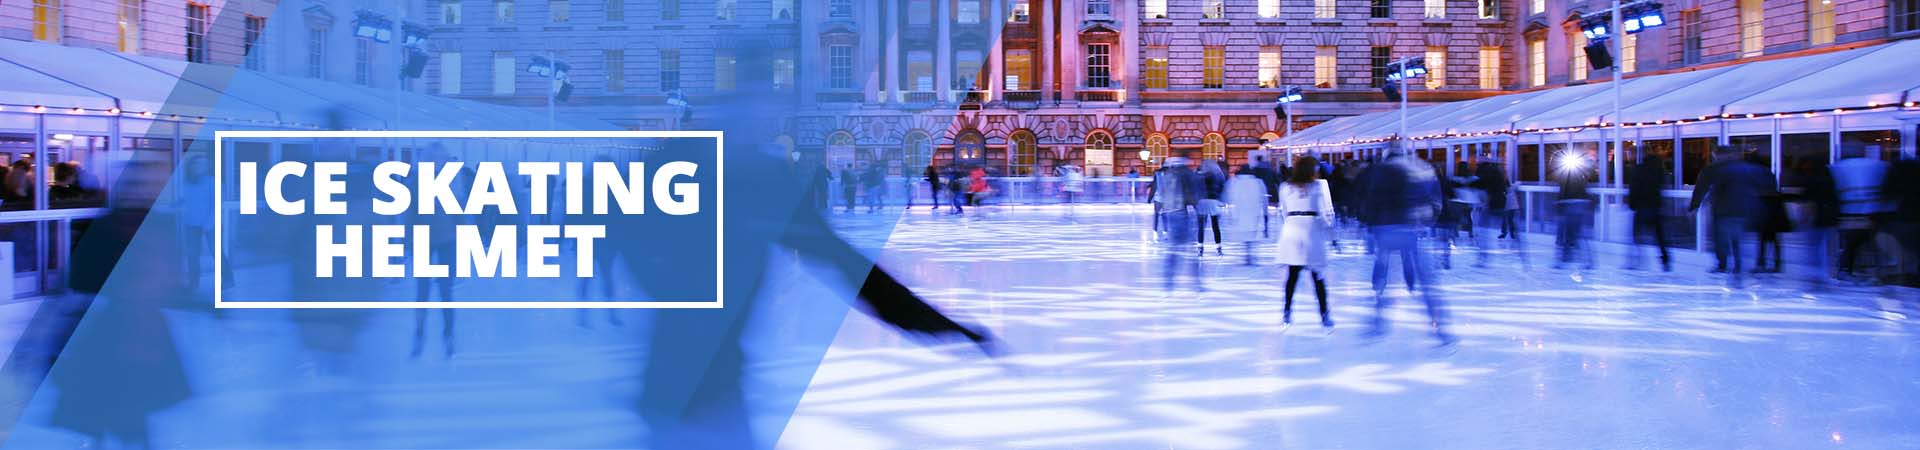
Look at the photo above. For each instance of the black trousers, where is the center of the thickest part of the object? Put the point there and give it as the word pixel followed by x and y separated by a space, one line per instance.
pixel 1651 223
pixel 1319 289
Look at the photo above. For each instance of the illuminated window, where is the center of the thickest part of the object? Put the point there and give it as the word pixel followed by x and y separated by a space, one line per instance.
pixel 1157 146
pixel 450 73
pixel 1579 62
pixel 1213 71
pixel 1752 28
pixel 503 73
pixel 1024 150
pixel 1325 9
pixel 920 70
pixel 1489 9
pixel 1269 67
pixel 131 12
pixel 47 20
pixel 1155 9
pixel 1019 70
pixel 1326 60
pixel 1436 67
pixel 503 12
pixel 1020 12
pixel 967 65
pixel 783 10
pixel 1213 9
pixel 1155 73
pixel 969 12
pixel 1436 9
pixel 1819 22
pixel 1489 67
pixel 559 11
pixel 1269 9
pixel 1537 7
pixel 1537 62
pixel 1214 148
pixel 1630 54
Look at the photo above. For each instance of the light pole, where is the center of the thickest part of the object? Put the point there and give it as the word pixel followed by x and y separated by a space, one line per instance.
pixel 552 68
pixel 1285 107
pixel 1397 74
pixel 1604 25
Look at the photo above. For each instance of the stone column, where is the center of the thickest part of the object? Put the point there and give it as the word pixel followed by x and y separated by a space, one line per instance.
pixel 869 56
pixel 891 29
pixel 943 50
pixel 1044 60
pixel 996 49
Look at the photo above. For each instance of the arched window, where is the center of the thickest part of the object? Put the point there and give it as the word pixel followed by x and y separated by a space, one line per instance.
pixel 840 150
pixel 1270 137
pixel 1214 148
pixel 1157 146
pixel 1099 140
pixel 1097 158
pixel 919 150
pixel 1022 148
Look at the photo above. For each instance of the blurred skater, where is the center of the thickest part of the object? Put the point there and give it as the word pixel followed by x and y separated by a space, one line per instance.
pixel 1644 184
pixel 1732 185
pixel 1213 181
pixel 1246 195
pixel 1400 196
pixel 1858 179
pixel 1177 190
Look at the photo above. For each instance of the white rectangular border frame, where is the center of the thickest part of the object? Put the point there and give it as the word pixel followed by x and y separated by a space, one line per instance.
pixel 719 220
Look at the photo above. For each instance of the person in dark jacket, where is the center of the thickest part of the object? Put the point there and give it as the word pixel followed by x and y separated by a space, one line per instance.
pixel 933 188
pixel 849 186
pixel 1644 184
pixel 1903 193
pixel 1177 191
pixel 1575 208
pixel 1490 179
pixel 1732 187
pixel 1400 197
pixel 1768 222
pixel 1822 200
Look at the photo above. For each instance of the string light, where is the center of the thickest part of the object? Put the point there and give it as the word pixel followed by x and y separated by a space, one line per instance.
pixel 37 109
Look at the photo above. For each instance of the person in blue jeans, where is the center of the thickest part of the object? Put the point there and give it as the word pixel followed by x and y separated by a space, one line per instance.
pixel 1402 194
pixel 1732 186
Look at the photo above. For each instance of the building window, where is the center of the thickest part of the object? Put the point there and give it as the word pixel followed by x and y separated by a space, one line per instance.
pixel 1214 148
pixel 449 12
pixel 1820 21
pixel 1436 67
pixel 1213 67
pixel 48 20
pixel 1691 48
pixel 1099 66
pixel 616 62
pixel 1269 67
pixel 1436 9
pixel 840 67
pixel 1578 64
pixel 1326 61
pixel 783 9
pixel 1752 28
pixel 920 71
pixel 1382 9
pixel 131 12
pixel 1213 9
pixel 919 12
pixel 1099 8
pixel 1155 74
pixel 723 10
pixel 1379 58
pixel 1489 9
pixel 317 53
pixel 1537 7
pixel 559 11
pixel 669 9
pixel 967 65
pixel 1630 54
pixel 1489 68
pixel 782 73
pixel 1906 16
pixel 1019 70
pixel 196 33
pixel 363 61
pixel 1157 147
pixel 1021 10
pixel 503 73
pixel 503 12
pixel 969 12
pixel 1269 9
pixel 1025 150
pixel 725 70
pixel 1155 9
pixel 450 73
pixel 1537 62
pixel 669 70
pixel 250 42
pixel 840 9
pixel 1325 9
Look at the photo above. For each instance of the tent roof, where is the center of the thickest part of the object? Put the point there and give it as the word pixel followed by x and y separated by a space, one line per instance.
pixel 1598 108
pixel 134 86
pixel 25 83
pixel 1881 77
pixel 1474 109
pixel 1705 97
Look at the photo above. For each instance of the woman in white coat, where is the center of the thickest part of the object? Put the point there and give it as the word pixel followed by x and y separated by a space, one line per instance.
pixel 1307 208
pixel 1246 197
